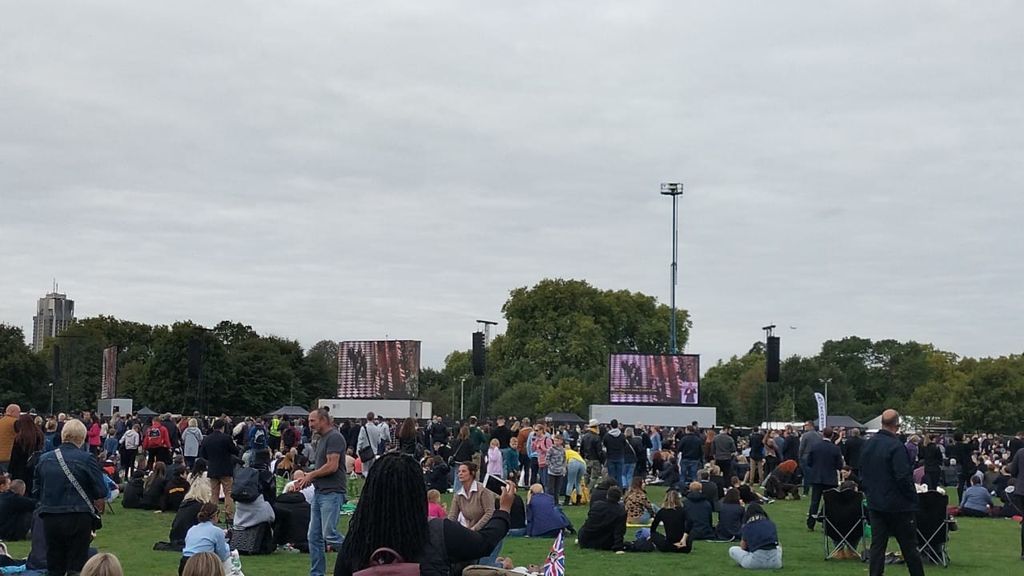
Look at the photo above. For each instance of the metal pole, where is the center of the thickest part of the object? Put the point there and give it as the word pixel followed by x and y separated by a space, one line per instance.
pixel 51 398
pixel 675 264
pixel 462 399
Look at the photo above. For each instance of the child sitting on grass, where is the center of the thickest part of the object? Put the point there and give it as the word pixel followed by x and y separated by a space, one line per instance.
pixel 434 507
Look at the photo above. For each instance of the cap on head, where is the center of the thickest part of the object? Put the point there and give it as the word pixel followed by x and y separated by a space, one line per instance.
pixel 593 423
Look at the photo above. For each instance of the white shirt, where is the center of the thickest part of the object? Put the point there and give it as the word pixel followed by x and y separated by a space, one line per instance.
pixel 307 492
pixel 462 492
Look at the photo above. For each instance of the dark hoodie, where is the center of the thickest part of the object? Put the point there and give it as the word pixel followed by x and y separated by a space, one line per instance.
pixel 699 515
pixel 615 444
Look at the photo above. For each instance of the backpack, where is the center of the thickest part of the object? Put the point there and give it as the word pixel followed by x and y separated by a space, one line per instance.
pixel 259 438
pixel 152 437
pixel 246 487
pixel 387 562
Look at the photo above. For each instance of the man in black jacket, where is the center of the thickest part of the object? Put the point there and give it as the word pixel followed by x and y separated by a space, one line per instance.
pixel 593 452
pixel 690 450
pixel 888 482
pixel 824 460
pixel 605 526
pixel 220 452
pixel 502 433
pixel 615 452
pixel 851 449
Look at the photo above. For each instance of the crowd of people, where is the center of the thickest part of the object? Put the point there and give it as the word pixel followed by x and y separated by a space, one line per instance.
pixel 285 481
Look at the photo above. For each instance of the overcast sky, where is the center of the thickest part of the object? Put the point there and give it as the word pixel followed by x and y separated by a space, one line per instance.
pixel 361 170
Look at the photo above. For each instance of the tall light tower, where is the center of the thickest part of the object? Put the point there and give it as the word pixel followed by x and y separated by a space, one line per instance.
pixel 675 190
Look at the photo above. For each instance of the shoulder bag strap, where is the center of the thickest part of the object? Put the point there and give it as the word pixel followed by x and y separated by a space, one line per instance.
pixel 73 480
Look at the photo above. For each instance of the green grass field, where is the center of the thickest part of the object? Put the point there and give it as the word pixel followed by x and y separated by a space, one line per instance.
pixel 980 547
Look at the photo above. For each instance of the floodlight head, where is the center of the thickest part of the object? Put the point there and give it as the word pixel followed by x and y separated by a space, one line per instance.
pixel 672 188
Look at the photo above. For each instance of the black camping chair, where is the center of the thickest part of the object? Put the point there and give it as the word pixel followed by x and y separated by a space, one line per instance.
pixel 933 524
pixel 843 518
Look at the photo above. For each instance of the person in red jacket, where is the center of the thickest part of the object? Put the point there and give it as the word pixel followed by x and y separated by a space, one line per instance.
pixel 157 444
pixel 93 436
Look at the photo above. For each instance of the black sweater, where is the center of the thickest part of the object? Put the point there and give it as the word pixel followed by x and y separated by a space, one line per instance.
pixel 605 526
pixel 676 524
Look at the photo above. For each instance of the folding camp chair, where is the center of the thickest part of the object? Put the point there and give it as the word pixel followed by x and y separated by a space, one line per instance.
pixel 933 525
pixel 842 516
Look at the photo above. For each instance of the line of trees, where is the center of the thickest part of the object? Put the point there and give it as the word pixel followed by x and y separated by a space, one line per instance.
pixel 242 372
pixel 553 357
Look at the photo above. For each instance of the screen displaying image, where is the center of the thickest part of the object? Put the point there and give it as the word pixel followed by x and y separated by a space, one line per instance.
pixel 654 379
pixel 378 369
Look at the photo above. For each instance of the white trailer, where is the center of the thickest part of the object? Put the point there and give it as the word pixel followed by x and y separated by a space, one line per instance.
pixel 629 415
pixel 397 409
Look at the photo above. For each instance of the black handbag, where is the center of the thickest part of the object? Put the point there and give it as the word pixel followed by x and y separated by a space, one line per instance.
pixel 368 453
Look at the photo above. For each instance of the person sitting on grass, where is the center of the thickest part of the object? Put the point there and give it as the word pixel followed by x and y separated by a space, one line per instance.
pixel 543 517
pixel 976 501
pixel 153 487
pixel 203 564
pixel 677 529
pixel 187 515
pixel 204 537
pixel 102 564
pixel 15 512
pixel 174 490
pixel 435 509
pixel 730 516
pixel 605 526
pixel 699 514
pixel 392 513
pixel 639 509
pixel 759 547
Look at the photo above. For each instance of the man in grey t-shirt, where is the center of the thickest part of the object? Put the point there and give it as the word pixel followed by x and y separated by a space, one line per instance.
pixel 329 481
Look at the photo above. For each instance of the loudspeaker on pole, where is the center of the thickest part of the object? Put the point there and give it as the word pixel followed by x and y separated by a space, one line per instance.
pixel 479 354
pixel 772 360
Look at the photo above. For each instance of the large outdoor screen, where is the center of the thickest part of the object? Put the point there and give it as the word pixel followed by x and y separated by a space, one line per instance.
pixel 378 369
pixel 654 379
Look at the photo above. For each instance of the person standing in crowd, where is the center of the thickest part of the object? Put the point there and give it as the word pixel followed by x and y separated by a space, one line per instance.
pixel 824 460
pixel 368 443
pixel 67 516
pixel 631 456
pixel 523 439
pixel 724 449
pixel 888 482
pixel 592 452
pixel 615 450
pixel 219 452
pixel 191 439
pixel 329 483
pixel 7 433
pixel 437 432
pixel 963 452
pixel 808 439
pixel 275 434
pixel 852 446
pixel 931 458
pixel 501 433
pixel 173 433
pixel 1016 470
pixel 28 439
pixel 756 445
pixel 689 450
pixel 539 455
pixel 129 448
pixel 557 462
pixel 156 441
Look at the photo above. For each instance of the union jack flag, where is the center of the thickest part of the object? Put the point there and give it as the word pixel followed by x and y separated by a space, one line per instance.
pixel 555 564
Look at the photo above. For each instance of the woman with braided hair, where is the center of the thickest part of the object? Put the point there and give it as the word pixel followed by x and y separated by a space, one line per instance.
pixel 392 513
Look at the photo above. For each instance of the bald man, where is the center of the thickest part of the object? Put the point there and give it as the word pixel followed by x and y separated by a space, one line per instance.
pixel 7 435
pixel 887 480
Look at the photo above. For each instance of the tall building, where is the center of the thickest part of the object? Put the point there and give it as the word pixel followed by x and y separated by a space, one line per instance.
pixel 54 313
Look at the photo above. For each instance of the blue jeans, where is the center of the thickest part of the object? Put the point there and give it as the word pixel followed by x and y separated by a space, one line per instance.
pixel 323 529
pixel 627 474
pixel 575 474
pixel 615 470
pixel 688 470
pixel 492 560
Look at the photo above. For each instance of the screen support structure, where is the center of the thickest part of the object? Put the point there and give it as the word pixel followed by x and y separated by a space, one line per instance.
pixel 769 331
pixel 486 328
pixel 675 190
